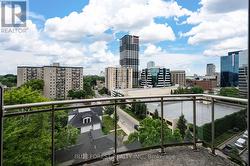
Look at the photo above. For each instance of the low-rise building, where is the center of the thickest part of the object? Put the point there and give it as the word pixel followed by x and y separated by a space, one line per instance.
pixel 205 84
pixel 86 119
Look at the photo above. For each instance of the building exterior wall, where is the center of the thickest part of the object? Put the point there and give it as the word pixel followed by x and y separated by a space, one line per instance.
pixel 243 74
pixel 155 77
pixel 129 55
pixel 58 80
pixel 209 84
pixel 229 69
pixel 90 127
pixel 26 73
pixel 178 77
pixel 118 78
pixel 210 69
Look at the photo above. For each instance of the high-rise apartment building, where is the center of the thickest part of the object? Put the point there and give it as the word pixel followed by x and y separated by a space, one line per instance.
pixel 243 73
pixel 118 78
pixel 155 77
pixel 178 77
pixel 129 55
pixel 210 69
pixel 150 64
pixel 58 80
pixel 229 69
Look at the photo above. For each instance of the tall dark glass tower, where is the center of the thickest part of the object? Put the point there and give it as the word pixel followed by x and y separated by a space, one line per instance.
pixel 129 55
pixel 230 69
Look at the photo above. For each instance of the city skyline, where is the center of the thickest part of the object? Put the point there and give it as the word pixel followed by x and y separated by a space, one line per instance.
pixel 175 34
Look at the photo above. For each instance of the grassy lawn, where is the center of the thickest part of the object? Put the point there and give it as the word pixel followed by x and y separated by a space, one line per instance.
pixel 120 133
pixel 223 137
pixel 107 124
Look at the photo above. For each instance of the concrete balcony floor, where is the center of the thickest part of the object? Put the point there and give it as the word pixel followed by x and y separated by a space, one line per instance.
pixel 174 156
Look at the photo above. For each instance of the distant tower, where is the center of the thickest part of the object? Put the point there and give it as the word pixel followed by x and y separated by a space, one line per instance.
pixel 150 64
pixel 211 69
pixel 129 55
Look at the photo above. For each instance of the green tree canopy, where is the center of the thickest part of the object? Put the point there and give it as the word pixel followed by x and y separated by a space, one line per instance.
pixel 139 109
pixel 149 133
pixel 103 91
pixel 229 92
pixel 156 114
pixel 181 125
pixel 8 80
pixel 109 110
pixel 35 84
pixel 27 139
pixel 192 90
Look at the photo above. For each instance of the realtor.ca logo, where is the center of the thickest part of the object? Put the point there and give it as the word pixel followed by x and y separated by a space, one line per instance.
pixel 13 16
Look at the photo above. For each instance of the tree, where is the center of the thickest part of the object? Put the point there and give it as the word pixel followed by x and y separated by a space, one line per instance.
pixel 196 90
pixel 77 94
pixel 89 93
pixel 156 114
pixel 8 80
pixel 188 135
pixel 91 79
pixel 229 91
pixel 103 91
pixel 181 125
pixel 139 109
pixel 149 133
pixel 35 84
pixel 27 139
pixel 109 110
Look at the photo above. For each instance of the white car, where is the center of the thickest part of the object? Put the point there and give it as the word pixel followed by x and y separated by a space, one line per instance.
pixel 240 143
pixel 245 135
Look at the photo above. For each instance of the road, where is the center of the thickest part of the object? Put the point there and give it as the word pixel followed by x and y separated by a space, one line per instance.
pixel 126 122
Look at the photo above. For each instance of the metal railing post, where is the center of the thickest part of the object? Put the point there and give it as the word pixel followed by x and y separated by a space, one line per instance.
pixel 115 162
pixel 162 137
pixel 1 125
pixel 212 146
pixel 52 135
pixel 194 123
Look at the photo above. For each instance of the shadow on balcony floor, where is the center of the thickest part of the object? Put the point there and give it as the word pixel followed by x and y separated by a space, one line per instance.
pixel 175 156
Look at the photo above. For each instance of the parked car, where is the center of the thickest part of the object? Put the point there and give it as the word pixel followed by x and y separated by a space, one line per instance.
pixel 240 143
pixel 136 127
pixel 227 149
pixel 245 135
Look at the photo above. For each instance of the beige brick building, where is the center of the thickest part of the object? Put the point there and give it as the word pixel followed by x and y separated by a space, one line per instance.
pixel 118 78
pixel 58 80
pixel 178 77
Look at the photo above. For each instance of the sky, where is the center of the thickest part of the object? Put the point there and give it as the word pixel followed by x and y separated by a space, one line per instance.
pixel 175 34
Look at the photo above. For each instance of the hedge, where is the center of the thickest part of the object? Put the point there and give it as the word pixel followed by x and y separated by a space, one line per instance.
pixel 237 119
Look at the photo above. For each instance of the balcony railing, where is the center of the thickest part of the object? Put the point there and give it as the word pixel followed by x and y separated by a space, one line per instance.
pixel 33 108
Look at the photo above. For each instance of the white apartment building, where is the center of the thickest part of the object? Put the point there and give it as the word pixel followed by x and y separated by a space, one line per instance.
pixel 58 80
pixel 118 78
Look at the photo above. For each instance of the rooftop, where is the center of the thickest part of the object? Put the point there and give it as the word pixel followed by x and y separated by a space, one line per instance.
pixel 183 155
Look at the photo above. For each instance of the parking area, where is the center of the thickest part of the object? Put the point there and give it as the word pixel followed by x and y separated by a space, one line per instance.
pixel 237 144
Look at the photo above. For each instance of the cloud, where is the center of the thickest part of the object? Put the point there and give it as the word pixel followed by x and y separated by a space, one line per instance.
pixel 118 15
pixel 216 23
pixel 156 33
pixel 223 6
pixel 174 61
pixel 221 48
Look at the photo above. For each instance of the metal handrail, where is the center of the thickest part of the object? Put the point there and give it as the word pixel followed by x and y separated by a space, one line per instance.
pixel 18 106
pixel 60 105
